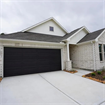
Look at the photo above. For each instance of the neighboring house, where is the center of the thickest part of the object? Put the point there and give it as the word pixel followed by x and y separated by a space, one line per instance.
pixel 47 46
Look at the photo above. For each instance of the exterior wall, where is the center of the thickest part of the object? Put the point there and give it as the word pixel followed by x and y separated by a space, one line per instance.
pixel 82 56
pixel 44 28
pixel 30 45
pixel 100 64
pixel 78 37
pixel 1 61
pixel 64 55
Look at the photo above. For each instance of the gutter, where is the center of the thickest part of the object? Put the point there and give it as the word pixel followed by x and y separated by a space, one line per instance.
pixel 28 41
pixel 86 42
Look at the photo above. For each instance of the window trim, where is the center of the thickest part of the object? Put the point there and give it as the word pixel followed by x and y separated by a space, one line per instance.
pixel 51 28
pixel 104 52
pixel 100 52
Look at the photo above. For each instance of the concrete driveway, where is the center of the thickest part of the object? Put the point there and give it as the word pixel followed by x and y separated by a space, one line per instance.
pixel 51 88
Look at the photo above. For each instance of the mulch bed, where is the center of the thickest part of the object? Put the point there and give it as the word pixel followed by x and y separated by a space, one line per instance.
pixel 0 79
pixel 71 71
pixel 97 77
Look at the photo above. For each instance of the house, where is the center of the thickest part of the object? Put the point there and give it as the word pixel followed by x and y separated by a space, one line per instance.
pixel 47 46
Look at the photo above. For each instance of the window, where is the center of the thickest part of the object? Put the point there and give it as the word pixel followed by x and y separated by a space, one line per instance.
pixel 104 51
pixel 100 52
pixel 51 28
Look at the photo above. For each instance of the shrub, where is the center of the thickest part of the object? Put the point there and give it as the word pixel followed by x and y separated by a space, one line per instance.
pixel 93 74
pixel 103 70
pixel 72 70
pixel 103 77
pixel 99 72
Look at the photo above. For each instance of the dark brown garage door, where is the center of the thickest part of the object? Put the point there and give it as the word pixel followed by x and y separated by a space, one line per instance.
pixel 20 61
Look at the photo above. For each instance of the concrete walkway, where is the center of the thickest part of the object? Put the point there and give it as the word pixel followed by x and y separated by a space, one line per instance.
pixel 51 88
pixel 81 72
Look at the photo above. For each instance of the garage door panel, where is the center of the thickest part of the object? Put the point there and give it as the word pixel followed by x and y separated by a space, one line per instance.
pixel 12 64
pixel 20 61
pixel 11 73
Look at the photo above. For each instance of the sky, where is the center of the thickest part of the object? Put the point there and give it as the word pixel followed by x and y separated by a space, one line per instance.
pixel 16 15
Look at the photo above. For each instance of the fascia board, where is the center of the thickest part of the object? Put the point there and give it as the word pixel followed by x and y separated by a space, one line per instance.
pixel 36 25
pixel 27 41
pixel 86 42
pixel 74 34
pixel 100 35
pixel 78 32
pixel 45 22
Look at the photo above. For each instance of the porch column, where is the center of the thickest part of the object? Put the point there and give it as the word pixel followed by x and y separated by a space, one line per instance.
pixel 68 53
pixel 68 62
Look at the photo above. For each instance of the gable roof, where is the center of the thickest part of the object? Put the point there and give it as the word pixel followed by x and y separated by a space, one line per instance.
pixel 91 36
pixel 71 33
pixel 45 22
pixel 76 31
pixel 37 36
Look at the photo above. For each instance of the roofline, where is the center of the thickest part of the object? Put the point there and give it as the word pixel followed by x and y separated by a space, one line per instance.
pixel 86 29
pixel 51 18
pixel 86 42
pixel 28 41
pixel 77 32
pixel 100 35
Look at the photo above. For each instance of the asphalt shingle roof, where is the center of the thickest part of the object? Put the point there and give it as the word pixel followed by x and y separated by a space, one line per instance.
pixel 37 36
pixel 50 38
pixel 32 37
pixel 91 36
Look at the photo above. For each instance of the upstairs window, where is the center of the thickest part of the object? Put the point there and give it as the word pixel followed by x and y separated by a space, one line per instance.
pixel 51 28
pixel 100 52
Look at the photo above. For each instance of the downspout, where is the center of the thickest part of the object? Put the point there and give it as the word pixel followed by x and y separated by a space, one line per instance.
pixel 94 55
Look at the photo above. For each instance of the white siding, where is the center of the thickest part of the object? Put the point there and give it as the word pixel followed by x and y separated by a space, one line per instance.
pixel 44 28
pixel 82 56
pixel 78 37
pixel 102 38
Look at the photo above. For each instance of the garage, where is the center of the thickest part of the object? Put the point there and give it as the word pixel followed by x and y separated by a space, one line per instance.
pixel 21 61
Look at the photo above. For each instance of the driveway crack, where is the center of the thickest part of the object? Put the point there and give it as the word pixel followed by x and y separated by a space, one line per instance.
pixel 61 91
pixel 101 102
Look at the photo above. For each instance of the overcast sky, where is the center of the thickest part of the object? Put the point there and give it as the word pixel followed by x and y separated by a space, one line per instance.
pixel 16 15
